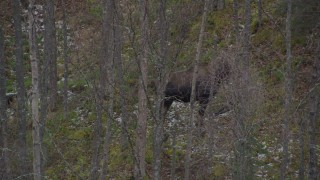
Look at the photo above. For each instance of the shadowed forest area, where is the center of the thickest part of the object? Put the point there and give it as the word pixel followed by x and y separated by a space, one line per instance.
pixel 160 89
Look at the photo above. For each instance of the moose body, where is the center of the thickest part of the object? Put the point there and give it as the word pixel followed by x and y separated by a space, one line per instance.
pixel 208 79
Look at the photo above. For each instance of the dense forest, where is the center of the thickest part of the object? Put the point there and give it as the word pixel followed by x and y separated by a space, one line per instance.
pixel 160 89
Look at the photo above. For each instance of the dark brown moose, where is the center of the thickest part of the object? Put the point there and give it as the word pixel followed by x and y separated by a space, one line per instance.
pixel 179 85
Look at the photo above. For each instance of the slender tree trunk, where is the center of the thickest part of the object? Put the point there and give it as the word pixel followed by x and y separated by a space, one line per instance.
pixel 119 63
pixel 243 166
pixel 51 52
pixel 35 94
pixel 140 150
pixel 302 132
pixel 96 142
pixel 288 95
pixel 193 92
pixel 65 59
pixel 21 93
pixel 313 118
pixel 259 13
pixel 106 57
pixel 161 81
pixel 5 172
pixel 174 143
pixel 109 46
pixel 236 19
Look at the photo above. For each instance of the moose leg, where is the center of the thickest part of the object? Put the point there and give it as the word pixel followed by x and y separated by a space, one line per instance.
pixel 203 105
pixel 166 105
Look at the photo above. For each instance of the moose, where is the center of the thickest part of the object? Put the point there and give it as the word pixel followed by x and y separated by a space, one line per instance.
pixel 209 78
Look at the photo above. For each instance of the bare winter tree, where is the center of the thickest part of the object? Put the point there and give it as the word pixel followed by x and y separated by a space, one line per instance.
pixel 161 81
pixel 314 116
pixel 5 172
pixel 65 59
pixel 21 93
pixel 241 96
pixel 288 94
pixel 193 95
pixel 35 93
pixel 50 46
pixel 259 13
pixel 140 149
pixel 105 63
pixel 108 46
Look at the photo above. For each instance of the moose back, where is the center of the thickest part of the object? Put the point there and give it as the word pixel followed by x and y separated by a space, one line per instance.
pixel 179 85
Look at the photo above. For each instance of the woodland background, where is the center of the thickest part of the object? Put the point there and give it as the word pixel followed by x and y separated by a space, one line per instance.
pixel 75 100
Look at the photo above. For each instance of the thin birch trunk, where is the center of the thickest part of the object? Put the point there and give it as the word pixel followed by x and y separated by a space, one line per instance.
pixel 105 57
pixel 109 47
pixel 35 94
pixel 50 37
pixel 302 132
pixel 161 70
pixel 174 143
pixel 5 172
pixel 65 59
pixel 259 13
pixel 313 118
pixel 21 92
pixel 193 92
pixel 140 150
pixel 236 19
pixel 288 95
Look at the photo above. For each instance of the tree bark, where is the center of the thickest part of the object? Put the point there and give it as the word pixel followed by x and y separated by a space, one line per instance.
pixel 65 59
pixel 35 94
pixel 109 46
pixel 193 95
pixel 236 20
pixel 288 95
pixel 105 58
pixel 50 48
pixel 5 171
pixel 259 13
pixel 314 117
pixel 21 92
pixel 140 149
pixel 161 81
pixel 243 166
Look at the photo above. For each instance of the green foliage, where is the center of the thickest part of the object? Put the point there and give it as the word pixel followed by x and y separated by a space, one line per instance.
pixel 219 171
pixel 95 8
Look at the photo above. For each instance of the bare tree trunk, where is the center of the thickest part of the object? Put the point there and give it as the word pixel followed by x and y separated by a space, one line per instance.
pixel 140 150
pixel 119 63
pixel 65 59
pixel 51 57
pixel 288 95
pixel 5 171
pixel 174 143
pixel 314 117
pixel 259 13
pixel 104 59
pixel 302 132
pixel 161 81
pixel 109 47
pixel 21 92
pixel 35 94
pixel 236 19
pixel 193 92
pixel 243 166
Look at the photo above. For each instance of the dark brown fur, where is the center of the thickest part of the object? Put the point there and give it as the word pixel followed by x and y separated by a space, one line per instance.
pixel 179 85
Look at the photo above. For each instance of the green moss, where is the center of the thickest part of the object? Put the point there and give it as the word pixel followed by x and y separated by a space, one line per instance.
pixel 219 171
pixel 95 9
